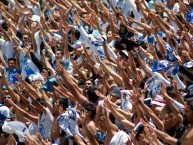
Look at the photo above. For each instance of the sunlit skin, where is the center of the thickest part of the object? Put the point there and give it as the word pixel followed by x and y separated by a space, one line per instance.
pixel 23 34
pixel 59 55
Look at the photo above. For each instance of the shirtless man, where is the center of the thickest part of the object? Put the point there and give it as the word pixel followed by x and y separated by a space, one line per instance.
pixel 188 121
pixel 187 137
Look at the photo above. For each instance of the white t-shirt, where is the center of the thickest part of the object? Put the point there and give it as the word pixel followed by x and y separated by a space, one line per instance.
pixel 33 128
pixel 111 53
pixel 45 123
pixel 68 123
pixel 120 138
pixel 7 50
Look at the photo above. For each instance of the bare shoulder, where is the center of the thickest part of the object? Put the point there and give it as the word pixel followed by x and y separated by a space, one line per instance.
pixel 91 124
pixel 188 139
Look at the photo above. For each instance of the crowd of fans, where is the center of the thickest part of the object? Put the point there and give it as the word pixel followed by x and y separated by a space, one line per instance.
pixel 96 72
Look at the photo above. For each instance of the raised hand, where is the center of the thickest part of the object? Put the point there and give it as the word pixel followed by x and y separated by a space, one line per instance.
pixel 99 94
pixel 163 90
pixel 97 58
pixel 146 86
pixel 138 80
pixel 131 20
pixel 155 30
pixel 18 77
pixel 41 35
pixel 76 19
pixel 151 49
pixel 107 102
pixel 116 37
pixel 10 102
pixel 39 136
pixel 11 140
pixel 59 69
pixel 134 96
pixel 120 62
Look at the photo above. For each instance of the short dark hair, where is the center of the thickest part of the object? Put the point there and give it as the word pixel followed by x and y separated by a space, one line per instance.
pixel 91 94
pixel 171 91
pixel 90 79
pixel 41 101
pixel 11 59
pixel 61 50
pixel 91 108
pixel 64 102
pixel 76 33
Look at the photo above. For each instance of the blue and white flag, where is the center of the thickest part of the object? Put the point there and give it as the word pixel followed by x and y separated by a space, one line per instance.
pixel 151 39
pixel 189 16
pixel 161 34
pixel 175 69
pixel 159 66
pixel 188 64
pixel 170 54
pixel 70 19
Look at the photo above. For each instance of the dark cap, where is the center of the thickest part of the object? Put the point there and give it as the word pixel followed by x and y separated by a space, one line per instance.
pixel 116 92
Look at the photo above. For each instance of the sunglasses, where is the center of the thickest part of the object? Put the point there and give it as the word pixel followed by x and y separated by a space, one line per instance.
pixel 8 97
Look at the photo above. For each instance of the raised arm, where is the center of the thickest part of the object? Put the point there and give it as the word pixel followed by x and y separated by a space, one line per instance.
pixel 110 71
pixel 65 76
pixel 60 6
pixel 32 107
pixel 66 50
pixel 123 74
pixel 48 48
pixel 120 117
pixel 165 137
pixel 150 113
pixel 47 101
pixel 23 112
pixel 110 126
pixel 12 94
pixel 170 103
pixel 28 86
